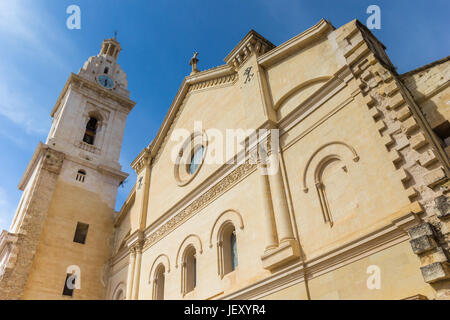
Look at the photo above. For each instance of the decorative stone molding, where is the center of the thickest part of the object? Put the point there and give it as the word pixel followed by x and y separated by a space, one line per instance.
pixel 142 161
pixel 253 43
pixel 191 240
pixel 213 193
pixel 227 216
pixel 295 44
pixel 313 155
pixel 161 259
pixel 194 142
pixel 212 83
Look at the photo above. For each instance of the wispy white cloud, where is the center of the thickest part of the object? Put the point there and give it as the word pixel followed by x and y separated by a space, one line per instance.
pixel 30 36
pixel 23 22
pixel 17 106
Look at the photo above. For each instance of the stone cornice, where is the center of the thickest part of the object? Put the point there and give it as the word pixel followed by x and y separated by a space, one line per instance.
pixel 52 162
pixel 112 172
pixel 107 170
pixel 210 74
pixel 135 240
pixel 183 211
pixel 226 75
pixel 253 43
pixel 143 159
pixel 32 165
pixel 78 80
pixel 294 44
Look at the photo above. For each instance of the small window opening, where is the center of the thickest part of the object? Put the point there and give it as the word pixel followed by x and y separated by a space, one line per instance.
pixel 229 250
pixel 68 291
pixel 91 130
pixel 196 160
pixel 81 175
pixel 443 133
pixel 159 280
pixel 106 70
pixel 81 233
pixel 190 270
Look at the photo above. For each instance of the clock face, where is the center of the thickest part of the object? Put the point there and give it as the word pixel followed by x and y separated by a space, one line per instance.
pixel 105 81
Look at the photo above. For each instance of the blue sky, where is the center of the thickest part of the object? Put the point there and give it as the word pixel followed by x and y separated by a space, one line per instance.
pixel 38 52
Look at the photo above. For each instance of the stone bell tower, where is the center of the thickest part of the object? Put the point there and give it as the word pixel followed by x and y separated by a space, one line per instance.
pixel 59 241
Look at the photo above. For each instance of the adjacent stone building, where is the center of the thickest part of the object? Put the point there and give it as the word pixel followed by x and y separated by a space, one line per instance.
pixel 337 188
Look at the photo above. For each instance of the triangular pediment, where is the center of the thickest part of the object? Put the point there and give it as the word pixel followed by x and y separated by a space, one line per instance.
pixel 252 43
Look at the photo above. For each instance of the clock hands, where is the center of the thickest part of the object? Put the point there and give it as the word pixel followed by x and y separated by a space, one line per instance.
pixel 105 82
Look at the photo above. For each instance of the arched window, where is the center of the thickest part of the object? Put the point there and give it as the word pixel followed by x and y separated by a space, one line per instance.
pixel 158 283
pixel 228 255
pixel 119 292
pixel 196 159
pixel 189 270
pixel 119 295
pixel 233 245
pixel 91 130
pixel 106 70
pixel 81 175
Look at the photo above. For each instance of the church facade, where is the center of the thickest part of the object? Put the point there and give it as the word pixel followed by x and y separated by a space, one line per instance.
pixel 308 170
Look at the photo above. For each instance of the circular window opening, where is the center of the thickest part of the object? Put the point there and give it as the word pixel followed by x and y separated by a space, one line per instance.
pixel 196 160
pixel 190 158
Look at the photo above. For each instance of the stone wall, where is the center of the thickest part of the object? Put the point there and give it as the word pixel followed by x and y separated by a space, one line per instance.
pixel 13 281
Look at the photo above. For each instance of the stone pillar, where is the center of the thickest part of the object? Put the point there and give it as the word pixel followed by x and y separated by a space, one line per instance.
pixel 269 220
pixel 280 206
pixel 137 273
pixel 130 275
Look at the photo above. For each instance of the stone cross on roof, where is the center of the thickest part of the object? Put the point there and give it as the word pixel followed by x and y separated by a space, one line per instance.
pixel 193 62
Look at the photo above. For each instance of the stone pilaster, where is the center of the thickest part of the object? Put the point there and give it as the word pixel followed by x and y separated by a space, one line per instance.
pixel 287 248
pixel 130 275
pixel 137 272
pixel 269 220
